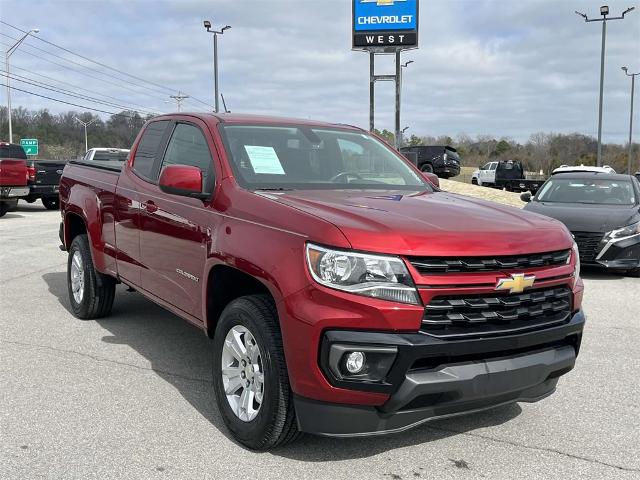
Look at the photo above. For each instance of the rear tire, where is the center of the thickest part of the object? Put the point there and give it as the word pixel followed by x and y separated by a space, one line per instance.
pixel 274 424
pixel 91 293
pixel 426 167
pixel 4 208
pixel 474 181
pixel 51 203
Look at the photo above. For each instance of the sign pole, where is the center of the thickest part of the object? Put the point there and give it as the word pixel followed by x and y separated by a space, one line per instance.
pixel 372 90
pixel 398 94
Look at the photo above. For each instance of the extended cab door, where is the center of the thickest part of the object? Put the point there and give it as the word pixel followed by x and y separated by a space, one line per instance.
pixel 176 230
pixel 149 150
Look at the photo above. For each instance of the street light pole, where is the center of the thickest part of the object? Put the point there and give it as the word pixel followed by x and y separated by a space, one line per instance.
pixel 604 11
pixel 86 124
pixel 402 135
pixel 207 26
pixel 633 82
pixel 6 60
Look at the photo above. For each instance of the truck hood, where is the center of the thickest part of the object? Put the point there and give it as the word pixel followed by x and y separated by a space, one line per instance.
pixel 587 218
pixel 426 223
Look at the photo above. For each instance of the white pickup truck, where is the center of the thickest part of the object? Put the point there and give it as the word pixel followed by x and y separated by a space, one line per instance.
pixel 106 155
pixel 505 174
pixel 485 175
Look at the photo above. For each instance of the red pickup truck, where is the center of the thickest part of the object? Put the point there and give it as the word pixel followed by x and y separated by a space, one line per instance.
pixel 13 176
pixel 345 294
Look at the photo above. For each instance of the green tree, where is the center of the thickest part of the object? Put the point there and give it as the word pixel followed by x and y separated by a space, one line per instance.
pixel 414 141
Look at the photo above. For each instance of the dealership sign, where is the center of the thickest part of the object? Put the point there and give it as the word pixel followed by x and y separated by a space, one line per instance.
pixel 385 24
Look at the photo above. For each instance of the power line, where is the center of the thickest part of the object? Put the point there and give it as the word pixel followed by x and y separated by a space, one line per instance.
pixel 13 67
pixel 85 58
pixel 22 79
pixel 96 62
pixel 83 73
pixel 67 103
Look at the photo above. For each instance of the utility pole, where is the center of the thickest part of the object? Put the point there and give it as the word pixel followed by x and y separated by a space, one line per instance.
pixel 179 98
pixel 85 124
pixel 8 54
pixel 633 82
pixel 207 26
pixel 604 11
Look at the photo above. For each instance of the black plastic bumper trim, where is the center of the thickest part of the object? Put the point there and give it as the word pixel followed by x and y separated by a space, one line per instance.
pixel 412 347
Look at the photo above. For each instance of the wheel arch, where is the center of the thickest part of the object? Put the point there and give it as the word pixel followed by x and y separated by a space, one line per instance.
pixel 225 283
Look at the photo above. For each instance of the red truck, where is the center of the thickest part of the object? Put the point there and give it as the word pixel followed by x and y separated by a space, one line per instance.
pixel 344 293
pixel 13 176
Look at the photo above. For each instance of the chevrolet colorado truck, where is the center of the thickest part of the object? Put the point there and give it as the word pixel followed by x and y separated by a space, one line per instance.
pixel 13 176
pixel 345 295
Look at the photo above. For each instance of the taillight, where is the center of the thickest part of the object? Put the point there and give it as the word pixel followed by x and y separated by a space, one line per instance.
pixel 31 174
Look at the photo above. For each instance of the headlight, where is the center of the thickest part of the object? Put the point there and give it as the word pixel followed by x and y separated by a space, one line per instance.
pixel 627 231
pixel 576 253
pixel 375 276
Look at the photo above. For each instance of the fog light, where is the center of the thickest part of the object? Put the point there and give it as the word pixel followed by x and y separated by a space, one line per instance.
pixel 355 362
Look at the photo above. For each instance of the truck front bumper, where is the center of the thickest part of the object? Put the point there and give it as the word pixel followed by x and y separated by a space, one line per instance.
pixel 621 253
pixel 430 378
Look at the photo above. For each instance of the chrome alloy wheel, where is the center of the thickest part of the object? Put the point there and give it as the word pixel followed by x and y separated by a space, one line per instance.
pixel 77 277
pixel 242 373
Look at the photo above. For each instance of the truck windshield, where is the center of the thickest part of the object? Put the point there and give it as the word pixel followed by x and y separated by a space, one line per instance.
pixel 266 157
pixel 590 191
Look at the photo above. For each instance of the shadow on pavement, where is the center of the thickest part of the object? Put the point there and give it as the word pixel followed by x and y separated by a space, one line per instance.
pixel 181 355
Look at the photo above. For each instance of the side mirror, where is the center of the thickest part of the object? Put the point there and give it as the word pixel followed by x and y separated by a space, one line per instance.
pixel 525 197
pixel 432 178
pixel 183 180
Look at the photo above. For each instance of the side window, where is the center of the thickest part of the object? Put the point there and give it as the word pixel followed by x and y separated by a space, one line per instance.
pixel 493 165
pixel 188 146
pixel 148 148
pixel 486 166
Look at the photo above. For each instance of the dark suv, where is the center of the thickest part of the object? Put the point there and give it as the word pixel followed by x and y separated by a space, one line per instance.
pixel 444 161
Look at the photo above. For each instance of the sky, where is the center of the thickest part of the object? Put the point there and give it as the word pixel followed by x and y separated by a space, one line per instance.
pixel 484 67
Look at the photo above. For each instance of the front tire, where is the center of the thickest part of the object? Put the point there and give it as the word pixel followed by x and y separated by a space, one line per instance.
pixel 91 293
pixel 4 208
pixel 51 203
pixel 247 352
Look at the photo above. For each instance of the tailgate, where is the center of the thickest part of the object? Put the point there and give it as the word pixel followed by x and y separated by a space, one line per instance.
pixel 13 173
pixel 48 172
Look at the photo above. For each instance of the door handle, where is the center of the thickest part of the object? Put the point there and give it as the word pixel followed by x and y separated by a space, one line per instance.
pixel 150 206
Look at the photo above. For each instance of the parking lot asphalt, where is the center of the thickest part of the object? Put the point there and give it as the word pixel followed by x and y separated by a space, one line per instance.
pixel 130 396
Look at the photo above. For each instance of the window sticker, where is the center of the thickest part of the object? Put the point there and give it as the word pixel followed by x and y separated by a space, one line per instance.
pixel 264 160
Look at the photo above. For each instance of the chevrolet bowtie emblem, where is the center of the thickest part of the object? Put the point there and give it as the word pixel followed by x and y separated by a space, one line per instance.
pixel 382 2
pixel 517 283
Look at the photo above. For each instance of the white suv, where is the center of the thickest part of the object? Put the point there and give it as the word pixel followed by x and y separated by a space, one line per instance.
pixel 582 168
